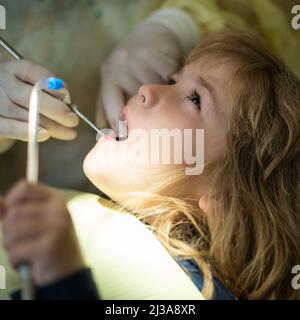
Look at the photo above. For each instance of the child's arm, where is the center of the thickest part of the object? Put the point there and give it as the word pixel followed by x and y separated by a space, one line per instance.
pixel 38 230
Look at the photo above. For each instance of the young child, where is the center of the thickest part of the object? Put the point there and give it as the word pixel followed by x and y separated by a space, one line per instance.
pixel 235 226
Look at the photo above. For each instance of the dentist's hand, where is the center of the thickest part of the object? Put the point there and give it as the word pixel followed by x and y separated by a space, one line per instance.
pixel 16 80
pixel 38 230
pixel 150 54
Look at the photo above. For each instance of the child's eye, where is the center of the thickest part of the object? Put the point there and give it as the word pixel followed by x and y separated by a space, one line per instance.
pixel 171 81
pixel 195 98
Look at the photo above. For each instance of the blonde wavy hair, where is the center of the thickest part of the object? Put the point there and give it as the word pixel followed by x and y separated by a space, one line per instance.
pixel 251 239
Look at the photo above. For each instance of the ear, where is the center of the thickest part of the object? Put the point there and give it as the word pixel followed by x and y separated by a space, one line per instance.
pixel 204 203
pixel 207 202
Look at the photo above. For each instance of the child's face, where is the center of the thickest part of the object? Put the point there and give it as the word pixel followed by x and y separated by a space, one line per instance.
pixel 200 98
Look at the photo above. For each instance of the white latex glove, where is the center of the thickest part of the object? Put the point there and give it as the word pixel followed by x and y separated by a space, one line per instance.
pixel 151 53
pixel 16 79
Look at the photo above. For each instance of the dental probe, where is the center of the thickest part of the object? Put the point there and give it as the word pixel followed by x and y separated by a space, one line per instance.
pixel 74 108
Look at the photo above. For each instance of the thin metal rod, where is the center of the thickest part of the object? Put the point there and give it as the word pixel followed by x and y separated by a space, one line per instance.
pixel 83 117
pixel 10 49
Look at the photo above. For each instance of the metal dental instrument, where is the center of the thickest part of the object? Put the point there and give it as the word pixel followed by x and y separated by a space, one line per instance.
pixel 83 117
pixel 72 106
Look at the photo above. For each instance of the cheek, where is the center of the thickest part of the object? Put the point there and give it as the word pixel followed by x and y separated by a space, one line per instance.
pixel 214 143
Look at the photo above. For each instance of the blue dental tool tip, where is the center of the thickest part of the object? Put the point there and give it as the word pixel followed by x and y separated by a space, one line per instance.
pixel 55 83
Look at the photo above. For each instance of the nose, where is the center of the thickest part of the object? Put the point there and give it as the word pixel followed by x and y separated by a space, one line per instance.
pixel 149 95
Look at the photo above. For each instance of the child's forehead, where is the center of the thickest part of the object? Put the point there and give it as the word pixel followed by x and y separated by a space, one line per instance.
pixel 209 67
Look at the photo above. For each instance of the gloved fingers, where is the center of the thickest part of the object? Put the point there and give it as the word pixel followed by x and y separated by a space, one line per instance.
pixel 113 101
pixel 31 72
pixel 144 73
pixel 11 111
pixel 50 106
pixel 163 65
pixel 54 109
pixel 129 84
pixel 14 129
pixel 56 130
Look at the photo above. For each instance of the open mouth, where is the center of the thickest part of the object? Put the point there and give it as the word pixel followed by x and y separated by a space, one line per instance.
pixel 122 131
pixel 121 137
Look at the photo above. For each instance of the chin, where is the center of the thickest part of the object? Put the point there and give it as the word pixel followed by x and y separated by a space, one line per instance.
pixel 93 170
pixel 89 165
pixel 101 175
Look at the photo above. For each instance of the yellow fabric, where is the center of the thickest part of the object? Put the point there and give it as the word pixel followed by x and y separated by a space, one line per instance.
pixel 127 260
pixel 264 16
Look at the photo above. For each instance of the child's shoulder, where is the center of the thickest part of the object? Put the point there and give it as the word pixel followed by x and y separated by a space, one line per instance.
pixel 220 293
